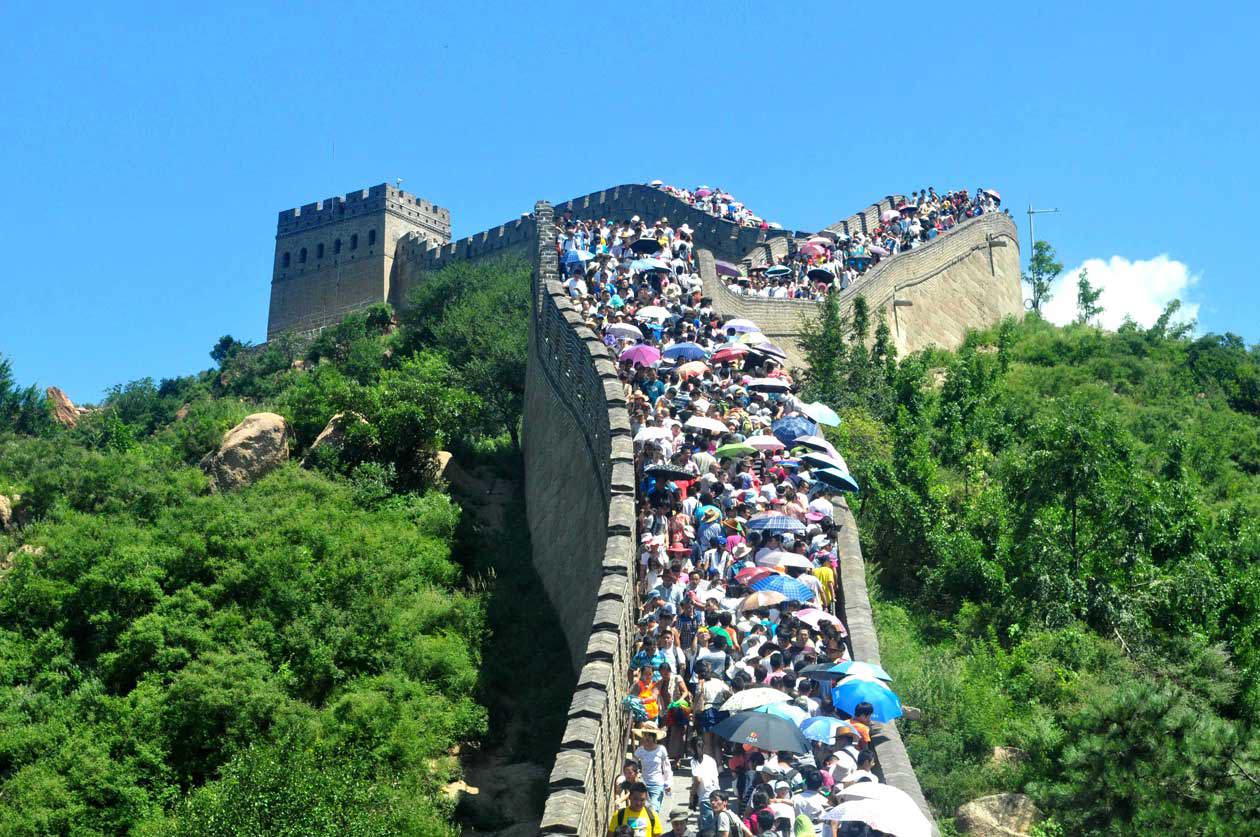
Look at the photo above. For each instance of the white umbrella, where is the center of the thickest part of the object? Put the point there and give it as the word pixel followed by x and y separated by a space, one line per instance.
pixel 653 312
pixel 740 325
pixel 876 790
pixel 625 330
pixel 647 434
pixel 753 698
pixel 773 559
pixel 791 559
pixel 706 423
pixel 764 443
pixel 894 818
pixel 769 385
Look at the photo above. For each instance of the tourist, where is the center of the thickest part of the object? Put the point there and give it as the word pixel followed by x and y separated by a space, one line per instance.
pixel 658 776
pixel 636 815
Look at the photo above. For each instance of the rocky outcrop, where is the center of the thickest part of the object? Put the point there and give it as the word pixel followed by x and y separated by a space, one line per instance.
pixel 64 410
pixel 1000 815
pixel 492 797
pixel 6 513
pixel 254 447
pixel 332 435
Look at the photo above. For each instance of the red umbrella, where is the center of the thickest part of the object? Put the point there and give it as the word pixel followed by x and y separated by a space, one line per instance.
pixel 729 353
pixel 748 575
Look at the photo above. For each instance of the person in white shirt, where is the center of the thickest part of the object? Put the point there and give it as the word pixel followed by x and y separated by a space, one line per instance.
pixel 656 772
pixel 811 801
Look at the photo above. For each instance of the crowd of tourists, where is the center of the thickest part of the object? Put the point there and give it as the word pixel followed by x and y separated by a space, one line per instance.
pixel 749 715
pixel 832 260
pixel 718 203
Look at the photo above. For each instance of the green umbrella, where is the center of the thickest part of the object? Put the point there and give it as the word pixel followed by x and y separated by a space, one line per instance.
pixel 734 450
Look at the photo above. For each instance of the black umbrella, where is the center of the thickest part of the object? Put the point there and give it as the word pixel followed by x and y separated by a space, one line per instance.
pixel 646 245
pixel 820 274
pixel 763 731
pixel 822 671
pixel 667 472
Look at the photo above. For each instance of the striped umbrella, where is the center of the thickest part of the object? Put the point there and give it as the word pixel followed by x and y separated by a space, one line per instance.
pixel 776 523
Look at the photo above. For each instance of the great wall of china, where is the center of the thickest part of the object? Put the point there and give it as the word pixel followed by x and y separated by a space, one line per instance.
pixel 579 473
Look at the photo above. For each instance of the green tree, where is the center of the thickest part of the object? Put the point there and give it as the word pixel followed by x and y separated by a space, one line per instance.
pixel 822 342
pixel 1087 307
pixel 1043 269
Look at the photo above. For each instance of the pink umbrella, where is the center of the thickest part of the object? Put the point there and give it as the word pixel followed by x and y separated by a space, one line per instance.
pixel 814 617
pixel 889 215
pixel 821 241
pixel 812 250
pixel 877 250
pixel 764 443
pixel 642 354
pixel 703 192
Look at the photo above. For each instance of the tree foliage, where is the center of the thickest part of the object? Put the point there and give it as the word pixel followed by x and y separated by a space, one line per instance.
pixel 1043 269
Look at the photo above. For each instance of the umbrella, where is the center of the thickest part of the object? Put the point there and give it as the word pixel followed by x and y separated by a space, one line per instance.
pixel 750 699
pixel 889 215
pixel 820 274
pixel 761 730
pixel 653 312
pixel 751 338
pixel 821 460
pixel 866 671
pixel 692 369
pixel 787 711
pixel 625 330
pixel 778 270
pixel 875 790
pixel 791 559
pixel 821 240
pixel 770 350
pixel 773 558
pixel 726 269
pixel 835 478
pixel 775 522
pixel 769 385
pixel 993 193
pixel 892 818
pixel 667 472
pixel 646 245
pixel 814 617
pixel 877 250
pixel 789 587
pixel 729 353
pixel 822 414
pixel 815 442
pixel 764 443
pixel 740 325
pixel 760 599
pixel 822 671
pixel 648 264
pixel 851 691
pixel 648 434
pixel 790 428
pixel 811 250
pixel 734 450
pixel 703 192
pixel 642 354
pixel 750 574
pixel 705 423
pixel 575 256
pixel 823 728
pixel 685 351
pixel 909 209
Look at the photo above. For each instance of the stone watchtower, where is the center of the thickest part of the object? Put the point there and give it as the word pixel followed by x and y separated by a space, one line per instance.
pixel 335 256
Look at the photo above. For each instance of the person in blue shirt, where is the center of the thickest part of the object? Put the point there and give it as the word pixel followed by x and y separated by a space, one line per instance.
pixel 653 387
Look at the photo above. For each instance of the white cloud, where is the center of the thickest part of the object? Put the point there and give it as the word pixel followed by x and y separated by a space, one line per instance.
pixel 1138 289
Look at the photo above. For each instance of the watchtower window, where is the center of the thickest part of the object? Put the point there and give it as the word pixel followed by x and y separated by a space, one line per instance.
pixel 337 247
pixel 371 237
pixel 319 251
pixel 285 261
pixel 302 256
pixel 354 241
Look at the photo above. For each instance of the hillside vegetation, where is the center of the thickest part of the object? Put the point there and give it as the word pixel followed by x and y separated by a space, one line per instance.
pixel 1061 524
pixel 302 656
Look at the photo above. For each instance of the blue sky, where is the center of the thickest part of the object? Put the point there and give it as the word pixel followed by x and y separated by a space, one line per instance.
pixel 147 148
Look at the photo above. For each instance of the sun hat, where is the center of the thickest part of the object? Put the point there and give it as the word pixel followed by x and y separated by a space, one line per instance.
pixel 648 728
pixel 680 815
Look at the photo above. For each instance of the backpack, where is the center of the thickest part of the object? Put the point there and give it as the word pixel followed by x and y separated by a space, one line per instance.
pixel 624 814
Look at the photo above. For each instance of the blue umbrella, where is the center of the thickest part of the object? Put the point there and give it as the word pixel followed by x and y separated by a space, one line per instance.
pixel 788 429
pixel 776 523
pixel 685 351
pixel 575 256
pixel 788 586
pixel 867 671
pixel 822 414
pixel 835 478
pixel 851 691
pixel 648 264
pixel 823 728
pixel 785 710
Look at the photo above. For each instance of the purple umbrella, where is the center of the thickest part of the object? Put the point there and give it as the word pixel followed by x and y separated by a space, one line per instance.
pixel 726 269
pixel 642 354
